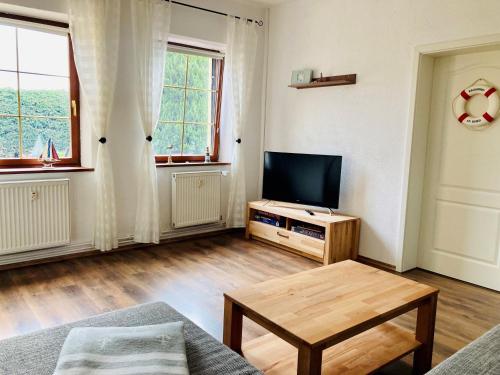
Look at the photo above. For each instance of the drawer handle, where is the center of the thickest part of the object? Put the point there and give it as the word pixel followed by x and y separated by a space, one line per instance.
pixel 283 235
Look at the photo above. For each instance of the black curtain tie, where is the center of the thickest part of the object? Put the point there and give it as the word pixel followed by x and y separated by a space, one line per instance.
pixel 102 140
pixel 149 138
pixel 238 140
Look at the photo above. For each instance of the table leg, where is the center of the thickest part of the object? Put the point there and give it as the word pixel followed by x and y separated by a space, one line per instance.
pixel 309 361
pixel 328 256
pixel 233 325
pixel 426 320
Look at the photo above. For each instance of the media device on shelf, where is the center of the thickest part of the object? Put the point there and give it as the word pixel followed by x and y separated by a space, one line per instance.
pixel 312 180
pixel 267 218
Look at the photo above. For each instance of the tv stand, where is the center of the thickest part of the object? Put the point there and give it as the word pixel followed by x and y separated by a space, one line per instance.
pixel 340 232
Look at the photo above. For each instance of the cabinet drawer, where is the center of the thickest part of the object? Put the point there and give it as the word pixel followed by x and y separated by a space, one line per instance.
pixel 265 231
pixel 292 240
pixel 306 244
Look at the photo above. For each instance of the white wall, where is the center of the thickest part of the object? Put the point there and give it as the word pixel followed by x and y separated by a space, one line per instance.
pixel 125 138
pixel 366 123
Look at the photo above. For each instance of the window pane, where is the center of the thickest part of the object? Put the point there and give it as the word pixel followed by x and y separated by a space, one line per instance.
pixel 8 93
pixel 165 135
pixel 213 106
pixel 44 95
pixel 172 106
pixel 9 137
pixel 199 104
pixel 196 139
pixel 200 72
pixel 8 54
pixel 36 133
pixel 175 69
pixel 42 52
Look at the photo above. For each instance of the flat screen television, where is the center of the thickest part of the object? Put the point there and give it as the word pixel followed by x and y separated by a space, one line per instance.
pixel 302 178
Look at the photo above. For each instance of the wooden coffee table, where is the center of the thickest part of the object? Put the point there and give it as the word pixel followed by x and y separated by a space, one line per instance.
pixel 333 318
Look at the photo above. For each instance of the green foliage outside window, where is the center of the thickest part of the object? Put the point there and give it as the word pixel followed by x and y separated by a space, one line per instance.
pixel 188 105
pixel 34 92
pixel 36 131
pixel 186 120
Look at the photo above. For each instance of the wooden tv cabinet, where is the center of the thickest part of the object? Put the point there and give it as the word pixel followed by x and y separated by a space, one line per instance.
pixel 341 232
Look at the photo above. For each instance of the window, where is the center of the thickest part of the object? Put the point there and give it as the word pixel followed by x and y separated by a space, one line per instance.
pixel 190 111
pixel 38 95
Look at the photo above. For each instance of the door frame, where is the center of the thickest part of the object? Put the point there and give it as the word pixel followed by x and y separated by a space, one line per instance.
pixel 415 149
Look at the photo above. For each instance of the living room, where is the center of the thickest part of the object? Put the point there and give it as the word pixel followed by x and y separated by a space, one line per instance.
pixel 308 186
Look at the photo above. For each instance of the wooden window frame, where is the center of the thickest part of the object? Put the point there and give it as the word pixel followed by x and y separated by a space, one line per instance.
pixel 214 157
pixel 74 91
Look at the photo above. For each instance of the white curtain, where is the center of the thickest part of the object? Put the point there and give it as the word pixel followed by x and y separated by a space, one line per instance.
pixel 95 32
pixel 150 25
pixel 239 68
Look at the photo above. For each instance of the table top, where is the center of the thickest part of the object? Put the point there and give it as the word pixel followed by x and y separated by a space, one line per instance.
pixel 330 303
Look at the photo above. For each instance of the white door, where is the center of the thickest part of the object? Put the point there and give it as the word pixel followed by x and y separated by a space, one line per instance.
pixel 460 224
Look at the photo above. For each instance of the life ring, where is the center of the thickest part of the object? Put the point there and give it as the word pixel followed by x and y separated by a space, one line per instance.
pixel 488 117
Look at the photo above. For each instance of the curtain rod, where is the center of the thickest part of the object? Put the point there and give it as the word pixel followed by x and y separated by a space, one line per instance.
pixel 260 23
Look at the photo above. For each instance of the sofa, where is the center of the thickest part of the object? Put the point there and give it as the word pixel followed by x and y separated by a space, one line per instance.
pixel 481 356
pixel 37 353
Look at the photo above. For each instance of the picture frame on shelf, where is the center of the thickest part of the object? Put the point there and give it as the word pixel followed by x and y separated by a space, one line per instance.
pixel 302 76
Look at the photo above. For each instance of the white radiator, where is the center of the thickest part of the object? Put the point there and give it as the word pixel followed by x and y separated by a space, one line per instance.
pixel 34 215
pixel 196 198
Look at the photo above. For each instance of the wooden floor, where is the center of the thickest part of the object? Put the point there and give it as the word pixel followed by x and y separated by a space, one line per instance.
pixel 191 276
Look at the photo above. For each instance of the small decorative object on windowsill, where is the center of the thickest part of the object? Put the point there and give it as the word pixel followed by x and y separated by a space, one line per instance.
pixel 49 156
pixel 207 155
pixel 170 148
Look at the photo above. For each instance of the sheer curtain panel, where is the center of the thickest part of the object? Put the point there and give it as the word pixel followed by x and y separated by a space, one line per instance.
pixel 95 31
pixel 150 25
pixel 241 54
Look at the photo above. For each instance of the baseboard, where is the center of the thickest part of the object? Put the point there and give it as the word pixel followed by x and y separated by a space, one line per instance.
pixel 376 263
pixel 86 249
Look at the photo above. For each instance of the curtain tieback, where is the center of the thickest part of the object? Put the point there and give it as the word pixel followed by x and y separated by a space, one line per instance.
pixel 238 140
pixel 102 140
pixel 149 138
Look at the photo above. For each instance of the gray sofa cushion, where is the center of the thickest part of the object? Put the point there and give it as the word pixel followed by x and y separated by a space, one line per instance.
pixel 37 353
pixel 157 348
pixel 482 356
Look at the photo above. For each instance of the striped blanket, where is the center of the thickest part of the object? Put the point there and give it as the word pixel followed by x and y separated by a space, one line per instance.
pixel 153 350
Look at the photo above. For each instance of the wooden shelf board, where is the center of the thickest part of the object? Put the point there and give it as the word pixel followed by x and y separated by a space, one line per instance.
pixel 348 79
pixel 361 354
pixel 296 212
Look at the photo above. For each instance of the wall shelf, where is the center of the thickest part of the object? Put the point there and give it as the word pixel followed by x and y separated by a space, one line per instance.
pixel 347 79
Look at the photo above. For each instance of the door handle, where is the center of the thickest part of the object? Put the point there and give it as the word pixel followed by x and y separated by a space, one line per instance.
pixel 283 235
pixel 73 107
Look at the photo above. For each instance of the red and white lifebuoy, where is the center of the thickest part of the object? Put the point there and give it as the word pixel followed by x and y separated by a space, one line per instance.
pixel 488 117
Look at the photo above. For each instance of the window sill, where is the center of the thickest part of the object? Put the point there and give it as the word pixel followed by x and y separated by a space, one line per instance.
pixel 44 170
pixel 190 164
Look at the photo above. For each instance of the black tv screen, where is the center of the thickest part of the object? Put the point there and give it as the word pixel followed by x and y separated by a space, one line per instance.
pixel 302 178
